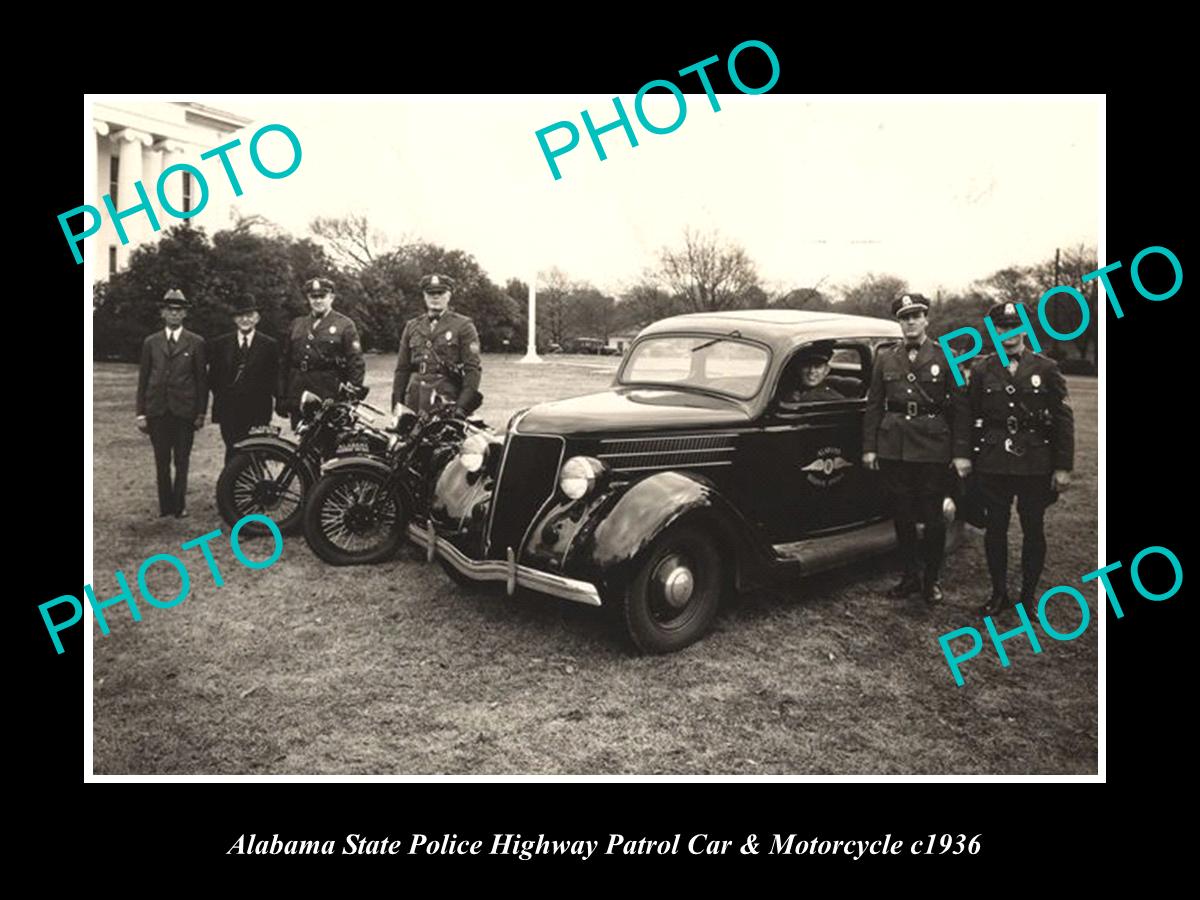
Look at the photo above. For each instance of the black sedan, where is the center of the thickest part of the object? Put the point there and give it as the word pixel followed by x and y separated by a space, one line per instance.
pixel 693 476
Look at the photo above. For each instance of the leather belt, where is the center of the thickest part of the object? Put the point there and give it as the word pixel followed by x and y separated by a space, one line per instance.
pixel 306 366
pixel 912 408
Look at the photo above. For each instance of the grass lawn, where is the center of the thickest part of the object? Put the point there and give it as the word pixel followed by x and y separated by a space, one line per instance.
pixel 306 668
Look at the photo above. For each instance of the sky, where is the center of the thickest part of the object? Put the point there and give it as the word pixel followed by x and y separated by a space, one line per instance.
pixel 819 191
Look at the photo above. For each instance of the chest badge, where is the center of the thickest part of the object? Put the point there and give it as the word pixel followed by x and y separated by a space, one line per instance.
pixel 934 370
pixel 911 376
pixel 449 335
pixel 333 329
pixel 1036 380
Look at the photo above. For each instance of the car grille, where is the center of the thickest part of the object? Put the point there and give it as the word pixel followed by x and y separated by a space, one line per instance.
pixel 675 452
pixel 528 478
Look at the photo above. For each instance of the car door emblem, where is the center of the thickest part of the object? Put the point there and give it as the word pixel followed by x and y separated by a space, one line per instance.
pixel 826 470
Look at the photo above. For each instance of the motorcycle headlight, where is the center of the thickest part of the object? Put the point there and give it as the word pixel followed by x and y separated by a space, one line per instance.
pixel 473 452
pixel 579 475
pixel 309 403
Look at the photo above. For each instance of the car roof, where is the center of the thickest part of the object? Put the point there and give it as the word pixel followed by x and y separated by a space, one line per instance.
pixel 778 327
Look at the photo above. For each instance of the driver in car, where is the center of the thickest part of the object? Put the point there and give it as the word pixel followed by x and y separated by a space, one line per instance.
pixel 812 363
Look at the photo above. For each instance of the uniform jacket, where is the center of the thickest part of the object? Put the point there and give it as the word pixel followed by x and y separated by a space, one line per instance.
pixel 935 428
pixel 1023 423
pixel 441 356
pixel 249 397
pixel 821 393
pixel 318 355
pixel 174 381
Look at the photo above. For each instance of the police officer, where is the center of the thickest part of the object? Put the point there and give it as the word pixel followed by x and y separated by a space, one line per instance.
pixel 916 422
pixel 1024 448
pixel 813 365
pixel 439 353
pixel 320 352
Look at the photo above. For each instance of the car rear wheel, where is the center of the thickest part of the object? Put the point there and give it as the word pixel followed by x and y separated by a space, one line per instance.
pixel 672 600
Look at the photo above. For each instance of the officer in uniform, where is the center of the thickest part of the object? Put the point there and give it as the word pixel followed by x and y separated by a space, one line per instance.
pixel 813 365
pixel 1024 448
pixel 439 353
pixel 916 422
pixel 320 352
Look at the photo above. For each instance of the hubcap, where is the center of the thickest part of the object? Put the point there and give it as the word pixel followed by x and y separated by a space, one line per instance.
pixel 676 581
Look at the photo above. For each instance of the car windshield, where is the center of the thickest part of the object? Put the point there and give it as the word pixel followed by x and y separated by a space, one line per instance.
pixel 712 363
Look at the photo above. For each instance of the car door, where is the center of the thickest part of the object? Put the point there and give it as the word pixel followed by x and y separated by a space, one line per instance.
pixel 813 479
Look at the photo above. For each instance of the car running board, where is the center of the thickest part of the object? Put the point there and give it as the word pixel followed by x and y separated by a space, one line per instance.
pixel 819 554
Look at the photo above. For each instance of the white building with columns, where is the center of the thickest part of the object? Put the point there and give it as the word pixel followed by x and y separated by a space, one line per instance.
pixel 137 141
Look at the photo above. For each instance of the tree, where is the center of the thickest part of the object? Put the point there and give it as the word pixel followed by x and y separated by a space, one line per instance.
pixel 593 313
pixel 708 272
pixel 553 293
pixel 352 241
pixel 872 295
pixel 643 303
pixel 804 298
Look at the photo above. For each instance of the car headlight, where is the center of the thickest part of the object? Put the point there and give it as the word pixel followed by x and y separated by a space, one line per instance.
pixel 473 452
pixel 579 475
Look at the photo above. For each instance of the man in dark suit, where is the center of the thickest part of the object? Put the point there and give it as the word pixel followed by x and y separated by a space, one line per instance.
pixel 243 371
pixel 172 398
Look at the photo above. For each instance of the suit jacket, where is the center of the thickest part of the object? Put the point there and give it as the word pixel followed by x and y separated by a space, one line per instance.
pixel 175 381
pixel 248 398
pixel 929 419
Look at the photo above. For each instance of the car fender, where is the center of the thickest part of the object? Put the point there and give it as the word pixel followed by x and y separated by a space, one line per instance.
pixel 621 525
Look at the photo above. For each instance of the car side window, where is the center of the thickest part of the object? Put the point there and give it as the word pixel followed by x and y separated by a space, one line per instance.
pixel 847 379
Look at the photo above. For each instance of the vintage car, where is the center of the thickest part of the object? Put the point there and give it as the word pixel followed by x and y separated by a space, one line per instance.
pixel 691 477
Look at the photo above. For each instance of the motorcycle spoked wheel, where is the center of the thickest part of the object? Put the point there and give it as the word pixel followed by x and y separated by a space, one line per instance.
pixel 248 484
pixel 352 518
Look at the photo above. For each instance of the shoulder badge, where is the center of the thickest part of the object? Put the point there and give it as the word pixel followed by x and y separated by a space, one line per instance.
pixel 474 346
pixel 356 345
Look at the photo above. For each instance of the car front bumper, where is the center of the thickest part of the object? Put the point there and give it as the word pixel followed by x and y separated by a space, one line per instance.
pixel 508 571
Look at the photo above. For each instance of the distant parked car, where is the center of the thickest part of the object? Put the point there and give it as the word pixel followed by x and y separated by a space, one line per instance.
pixel 586 345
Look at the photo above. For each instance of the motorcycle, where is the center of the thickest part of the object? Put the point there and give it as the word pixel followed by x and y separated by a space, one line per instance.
pixel 359 509
pixel 271 475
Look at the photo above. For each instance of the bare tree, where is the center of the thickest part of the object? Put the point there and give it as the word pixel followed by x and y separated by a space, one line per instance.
pixel 708 272
pixel 351 240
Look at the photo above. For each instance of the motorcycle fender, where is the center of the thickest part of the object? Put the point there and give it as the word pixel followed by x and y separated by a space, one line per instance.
pixel 284 445
pixel 372 465
pixel 620 526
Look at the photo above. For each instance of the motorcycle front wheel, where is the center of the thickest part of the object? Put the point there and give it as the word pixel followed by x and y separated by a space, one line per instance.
pixel 354 518
pixel 264 481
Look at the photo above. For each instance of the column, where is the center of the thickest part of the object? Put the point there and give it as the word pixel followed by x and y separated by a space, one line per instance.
pixel 99 242
pixel 129 144
pixel 172 154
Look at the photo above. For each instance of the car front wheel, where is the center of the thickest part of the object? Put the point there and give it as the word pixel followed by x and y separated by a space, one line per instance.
pixel 672 600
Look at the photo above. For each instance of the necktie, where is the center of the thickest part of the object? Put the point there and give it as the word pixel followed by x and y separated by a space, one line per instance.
pixel 241 357
pixel 1013 362
pixel 171 340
